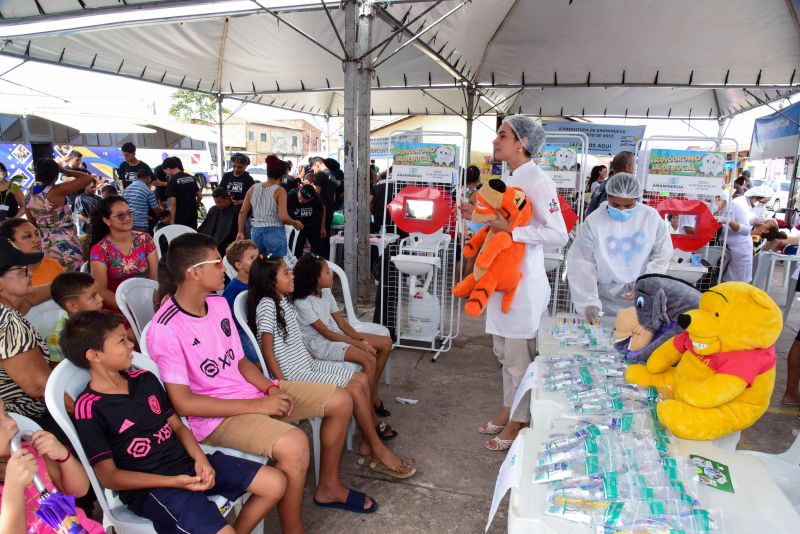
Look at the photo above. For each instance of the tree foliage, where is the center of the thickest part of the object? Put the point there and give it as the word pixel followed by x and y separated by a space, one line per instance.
pixel 192 106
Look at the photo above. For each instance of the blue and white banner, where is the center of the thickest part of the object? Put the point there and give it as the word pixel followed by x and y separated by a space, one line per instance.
pixel 776 135
pixel 604 139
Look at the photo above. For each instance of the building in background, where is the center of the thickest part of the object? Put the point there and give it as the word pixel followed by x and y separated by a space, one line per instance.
pixel 288 139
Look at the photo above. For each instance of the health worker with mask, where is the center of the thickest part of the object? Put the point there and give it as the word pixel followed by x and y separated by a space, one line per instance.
pixel 747 211
pixel 616 244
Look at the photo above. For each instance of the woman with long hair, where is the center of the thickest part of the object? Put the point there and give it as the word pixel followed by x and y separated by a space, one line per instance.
pixel 48 209
pixel 12 201
pixel 597 177
pixel 117 251
pixel 268 203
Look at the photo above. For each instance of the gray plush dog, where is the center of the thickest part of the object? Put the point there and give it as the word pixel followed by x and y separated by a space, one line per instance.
pixel 658 302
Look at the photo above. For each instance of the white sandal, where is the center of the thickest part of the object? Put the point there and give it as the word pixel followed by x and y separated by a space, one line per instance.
pixel 490 428
pixel 497 444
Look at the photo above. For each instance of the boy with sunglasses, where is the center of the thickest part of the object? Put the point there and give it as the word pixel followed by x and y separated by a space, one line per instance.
pixel 228 400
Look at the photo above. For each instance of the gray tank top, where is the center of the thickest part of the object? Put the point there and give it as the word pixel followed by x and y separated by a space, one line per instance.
pixel 265 209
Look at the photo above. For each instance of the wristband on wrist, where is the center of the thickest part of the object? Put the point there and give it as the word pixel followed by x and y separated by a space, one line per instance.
pixel 67 457
pixel 274 384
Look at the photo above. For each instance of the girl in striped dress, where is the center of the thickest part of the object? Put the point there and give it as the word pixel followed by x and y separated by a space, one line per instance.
pixel 273 318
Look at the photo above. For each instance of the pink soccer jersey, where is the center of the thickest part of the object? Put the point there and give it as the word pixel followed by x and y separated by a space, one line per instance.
pixel 202 353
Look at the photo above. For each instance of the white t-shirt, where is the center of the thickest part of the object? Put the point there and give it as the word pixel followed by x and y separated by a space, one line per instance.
pixel 312 309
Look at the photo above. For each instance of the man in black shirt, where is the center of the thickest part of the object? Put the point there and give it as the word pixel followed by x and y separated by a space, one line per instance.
pixel 237 181
pixel 326 189
pixel 183 195
pixel 305 205
pixel 85 205
pixel 160 180
pixel 129 168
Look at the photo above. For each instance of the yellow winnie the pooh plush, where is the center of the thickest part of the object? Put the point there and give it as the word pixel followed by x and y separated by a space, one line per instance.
pixel 726 363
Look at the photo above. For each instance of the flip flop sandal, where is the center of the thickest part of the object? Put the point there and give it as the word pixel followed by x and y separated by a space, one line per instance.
pixel 393 471
pixel 381 410
pixel 490 428
pixel 355 503
pixel 497 444
pixel 385 432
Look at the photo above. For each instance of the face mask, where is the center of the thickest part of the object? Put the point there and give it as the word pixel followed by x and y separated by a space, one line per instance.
pixel 620 215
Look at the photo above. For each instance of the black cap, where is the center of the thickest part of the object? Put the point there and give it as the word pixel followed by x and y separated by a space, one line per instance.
pixel 307 191
pixel 11 256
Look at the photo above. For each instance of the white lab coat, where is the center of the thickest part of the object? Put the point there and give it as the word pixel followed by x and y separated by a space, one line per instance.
pixel 739 244
pixel 608 256
pixel 546 229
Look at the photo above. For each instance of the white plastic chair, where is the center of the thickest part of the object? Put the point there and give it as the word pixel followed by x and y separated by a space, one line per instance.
pixel 785 470
pixel 70 379
pixel 170 232
pixel 229 269
pixel 44 316
pixel 135 300
pixel 143 340
pixel 240 312
pixel 356 323
pixel 291 237
pixel 87 267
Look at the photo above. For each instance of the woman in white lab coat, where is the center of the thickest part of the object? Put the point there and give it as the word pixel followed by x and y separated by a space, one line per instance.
pixel 747 211
pixel 616 244
pixel 514 333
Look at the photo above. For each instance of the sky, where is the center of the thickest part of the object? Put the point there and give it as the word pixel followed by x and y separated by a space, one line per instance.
pixel 48 88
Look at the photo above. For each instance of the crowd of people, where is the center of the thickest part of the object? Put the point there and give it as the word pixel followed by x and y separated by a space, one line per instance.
pixel 61 240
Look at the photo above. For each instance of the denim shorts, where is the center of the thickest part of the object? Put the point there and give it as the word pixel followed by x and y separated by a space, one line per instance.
pixel 270 240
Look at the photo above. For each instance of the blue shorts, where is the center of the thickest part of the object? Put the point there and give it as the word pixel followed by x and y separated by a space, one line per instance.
pixel 270 240
pixel 183 511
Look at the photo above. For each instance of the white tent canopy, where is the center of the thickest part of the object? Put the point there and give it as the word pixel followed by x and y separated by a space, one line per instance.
pixel 634 58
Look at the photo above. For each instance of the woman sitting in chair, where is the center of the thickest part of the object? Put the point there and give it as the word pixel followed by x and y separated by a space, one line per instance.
pixel 23 352
pixel 117 252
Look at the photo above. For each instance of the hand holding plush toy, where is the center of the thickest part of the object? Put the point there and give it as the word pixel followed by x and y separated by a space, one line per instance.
pixel 499 258
pixel 725 360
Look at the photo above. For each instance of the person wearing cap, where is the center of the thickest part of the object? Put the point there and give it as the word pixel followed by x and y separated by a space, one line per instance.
pixel 305 205
pixel 616 244
pixel 747 211
pixel 514 332
pixel 221 221
pixel 23 352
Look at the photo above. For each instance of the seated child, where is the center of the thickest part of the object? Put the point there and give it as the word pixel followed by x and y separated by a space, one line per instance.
pixel 326 332
pixel 139 447
pixel 74 292
pixel 269 309
pixel 229 401
pixel 166 285
pixel 45 456
pixel 240 255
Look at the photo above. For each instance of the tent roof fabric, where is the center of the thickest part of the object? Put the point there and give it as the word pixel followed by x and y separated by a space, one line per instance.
pixel 634 58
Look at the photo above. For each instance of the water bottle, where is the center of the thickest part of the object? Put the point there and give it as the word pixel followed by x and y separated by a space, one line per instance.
pixel 697 260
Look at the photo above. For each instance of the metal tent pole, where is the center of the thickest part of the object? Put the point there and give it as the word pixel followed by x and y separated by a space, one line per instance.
pixel 220 139
pixel 365 17
pixel 470 120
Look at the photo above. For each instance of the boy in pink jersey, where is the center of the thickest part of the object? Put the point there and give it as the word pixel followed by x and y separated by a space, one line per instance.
pixel 228 400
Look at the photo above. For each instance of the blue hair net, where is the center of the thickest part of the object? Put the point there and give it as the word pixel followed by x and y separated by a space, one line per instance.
pixel 528 131
pixel 623 185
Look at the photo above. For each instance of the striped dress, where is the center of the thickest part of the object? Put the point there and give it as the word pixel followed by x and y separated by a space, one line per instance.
pixel 265 209
pixel 295 361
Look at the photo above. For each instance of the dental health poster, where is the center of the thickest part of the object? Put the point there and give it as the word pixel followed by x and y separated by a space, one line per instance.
pixel 561 163
pixel 685 172
pixel 424 162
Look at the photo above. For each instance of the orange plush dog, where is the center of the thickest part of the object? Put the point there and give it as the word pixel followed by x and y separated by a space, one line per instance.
pixel 499 258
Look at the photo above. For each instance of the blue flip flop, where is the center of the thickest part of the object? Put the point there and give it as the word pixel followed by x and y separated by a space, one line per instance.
pixel 355 503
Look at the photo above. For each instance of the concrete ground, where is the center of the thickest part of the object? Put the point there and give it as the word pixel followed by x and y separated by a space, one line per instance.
pixel 453 487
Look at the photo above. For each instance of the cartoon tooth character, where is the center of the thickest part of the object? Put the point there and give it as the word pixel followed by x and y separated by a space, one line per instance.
pixel 712 165
pixel 445 155
pixel 565 159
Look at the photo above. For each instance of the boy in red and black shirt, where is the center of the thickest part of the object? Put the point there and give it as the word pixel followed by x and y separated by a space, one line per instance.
pixel 139 447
